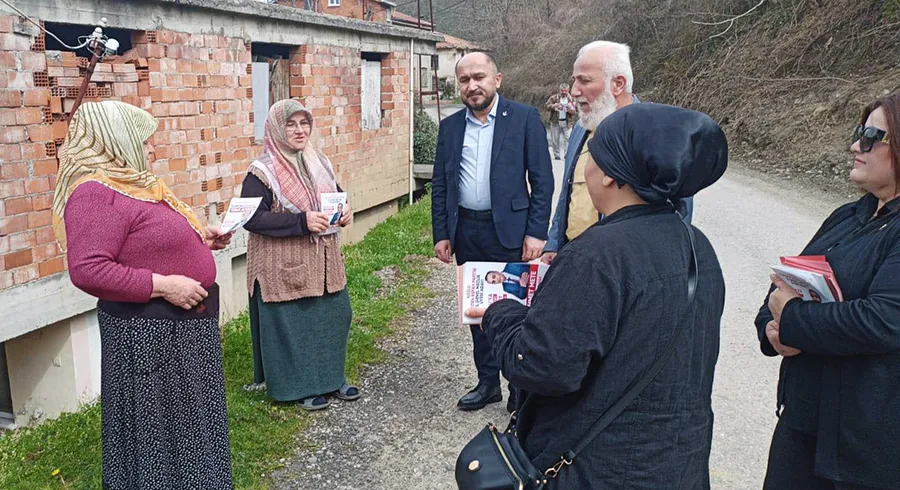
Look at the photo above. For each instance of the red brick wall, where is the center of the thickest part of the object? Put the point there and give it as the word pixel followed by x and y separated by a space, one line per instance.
pixel 196 85
pixel 372 165
pixel 347 8
pixel 199 88
pixel 202 96
pixel 27 172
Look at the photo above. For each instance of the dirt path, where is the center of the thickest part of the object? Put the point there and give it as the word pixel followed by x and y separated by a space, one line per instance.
pixel 405 433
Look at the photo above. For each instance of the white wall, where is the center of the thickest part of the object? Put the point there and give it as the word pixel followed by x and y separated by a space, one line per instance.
pixel 447 59
pixel 260 85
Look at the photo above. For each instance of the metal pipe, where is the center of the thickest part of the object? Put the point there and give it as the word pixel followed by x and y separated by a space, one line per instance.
pixel 437 91
pixel 419 78
pixel 419 12
pixel 431 8
pixel 412 127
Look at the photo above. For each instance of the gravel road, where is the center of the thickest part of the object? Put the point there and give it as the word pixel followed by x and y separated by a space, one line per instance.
pixel 405 433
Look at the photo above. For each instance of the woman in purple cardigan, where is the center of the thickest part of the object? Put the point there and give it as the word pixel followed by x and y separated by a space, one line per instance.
pixel 146 257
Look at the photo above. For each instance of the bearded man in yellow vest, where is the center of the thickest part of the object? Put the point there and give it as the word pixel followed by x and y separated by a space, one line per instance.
pixel 602 83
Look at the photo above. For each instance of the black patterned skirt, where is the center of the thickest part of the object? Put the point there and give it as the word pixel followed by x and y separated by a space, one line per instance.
pixel 163 397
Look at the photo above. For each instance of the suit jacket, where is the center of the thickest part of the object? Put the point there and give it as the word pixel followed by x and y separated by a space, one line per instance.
pixel 557 237
pixel 516 289
pixel 520 156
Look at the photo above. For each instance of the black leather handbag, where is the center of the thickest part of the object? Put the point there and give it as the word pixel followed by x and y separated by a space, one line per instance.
pixel 495 460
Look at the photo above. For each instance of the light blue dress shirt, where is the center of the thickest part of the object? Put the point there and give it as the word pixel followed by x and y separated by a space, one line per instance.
pixel 475 167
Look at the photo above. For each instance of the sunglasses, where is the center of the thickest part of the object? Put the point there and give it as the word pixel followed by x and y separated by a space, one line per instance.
pixel 868 136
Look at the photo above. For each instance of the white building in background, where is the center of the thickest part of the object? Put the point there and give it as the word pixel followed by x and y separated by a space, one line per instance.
pixel 450 50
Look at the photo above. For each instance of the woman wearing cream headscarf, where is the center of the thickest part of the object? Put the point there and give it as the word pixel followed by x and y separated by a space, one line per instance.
pixel 142 252
pixel 299 307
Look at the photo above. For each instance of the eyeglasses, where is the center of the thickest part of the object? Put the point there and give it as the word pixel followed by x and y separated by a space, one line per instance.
pixel 293 127
pixel 868 136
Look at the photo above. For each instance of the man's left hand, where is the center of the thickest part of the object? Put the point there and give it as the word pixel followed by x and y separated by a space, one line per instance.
pixel 532 248
pixel 346 216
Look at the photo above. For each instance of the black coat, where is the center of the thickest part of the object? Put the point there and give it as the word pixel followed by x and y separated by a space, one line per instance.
pixel 845 386
pixel 607 306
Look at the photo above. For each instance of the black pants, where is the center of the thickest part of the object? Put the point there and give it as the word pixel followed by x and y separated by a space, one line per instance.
pixel 477 241
pixel 791 460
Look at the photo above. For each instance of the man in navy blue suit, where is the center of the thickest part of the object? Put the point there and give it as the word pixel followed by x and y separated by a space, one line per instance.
pixel 487 156
pixel 513 279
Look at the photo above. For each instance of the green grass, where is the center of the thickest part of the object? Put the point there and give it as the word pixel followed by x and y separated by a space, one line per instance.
pixel 66 453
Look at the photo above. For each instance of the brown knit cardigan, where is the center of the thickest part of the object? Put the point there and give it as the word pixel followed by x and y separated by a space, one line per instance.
pixel 295 267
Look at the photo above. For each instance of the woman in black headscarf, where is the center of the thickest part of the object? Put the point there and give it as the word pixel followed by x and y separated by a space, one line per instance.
pixel 610 304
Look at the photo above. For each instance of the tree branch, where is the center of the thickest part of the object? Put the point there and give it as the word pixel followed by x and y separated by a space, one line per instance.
pixel 802 79
pixel 730 25
pixel 731 19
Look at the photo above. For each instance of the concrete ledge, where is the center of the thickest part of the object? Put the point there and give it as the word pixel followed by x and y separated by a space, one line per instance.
pixel 423 171
pixel 54 299
pixel 257 8
pixel 41 303
pixel 248 19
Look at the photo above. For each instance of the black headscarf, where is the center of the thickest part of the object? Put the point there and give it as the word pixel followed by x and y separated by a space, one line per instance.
pixel 665 153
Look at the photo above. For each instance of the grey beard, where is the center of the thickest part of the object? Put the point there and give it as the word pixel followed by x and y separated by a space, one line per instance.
pixel 600 110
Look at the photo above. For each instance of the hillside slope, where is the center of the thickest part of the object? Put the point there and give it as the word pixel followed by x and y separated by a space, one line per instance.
pixel 787 79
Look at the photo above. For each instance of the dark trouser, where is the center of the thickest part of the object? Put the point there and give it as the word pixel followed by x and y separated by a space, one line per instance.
pixel 477 241
pixel 791 460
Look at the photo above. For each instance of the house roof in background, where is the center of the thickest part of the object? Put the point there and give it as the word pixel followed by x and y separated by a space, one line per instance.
pixel 453 42
pixel 400 18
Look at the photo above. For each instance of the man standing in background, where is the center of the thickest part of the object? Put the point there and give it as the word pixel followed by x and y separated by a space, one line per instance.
pixel 486 158
pixel 562 117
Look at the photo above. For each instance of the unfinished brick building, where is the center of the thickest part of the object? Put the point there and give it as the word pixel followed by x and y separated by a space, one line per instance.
pixel 208 71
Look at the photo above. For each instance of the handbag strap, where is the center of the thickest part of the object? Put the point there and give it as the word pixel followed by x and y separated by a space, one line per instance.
pixel 614 411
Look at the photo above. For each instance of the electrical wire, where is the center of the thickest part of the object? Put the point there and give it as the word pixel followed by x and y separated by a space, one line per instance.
pixel 450 7
pixel 73 48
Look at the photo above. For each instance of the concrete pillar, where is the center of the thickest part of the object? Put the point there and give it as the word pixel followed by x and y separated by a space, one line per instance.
pixel 232 280
pixel 54 369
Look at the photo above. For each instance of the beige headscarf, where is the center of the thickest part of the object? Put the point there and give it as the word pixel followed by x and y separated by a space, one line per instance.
pixel 105 144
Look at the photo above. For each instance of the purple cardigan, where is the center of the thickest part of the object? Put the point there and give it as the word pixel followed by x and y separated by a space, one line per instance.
pixel 116 243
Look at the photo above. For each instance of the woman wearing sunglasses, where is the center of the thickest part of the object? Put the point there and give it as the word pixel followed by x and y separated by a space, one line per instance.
pixel 839 392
